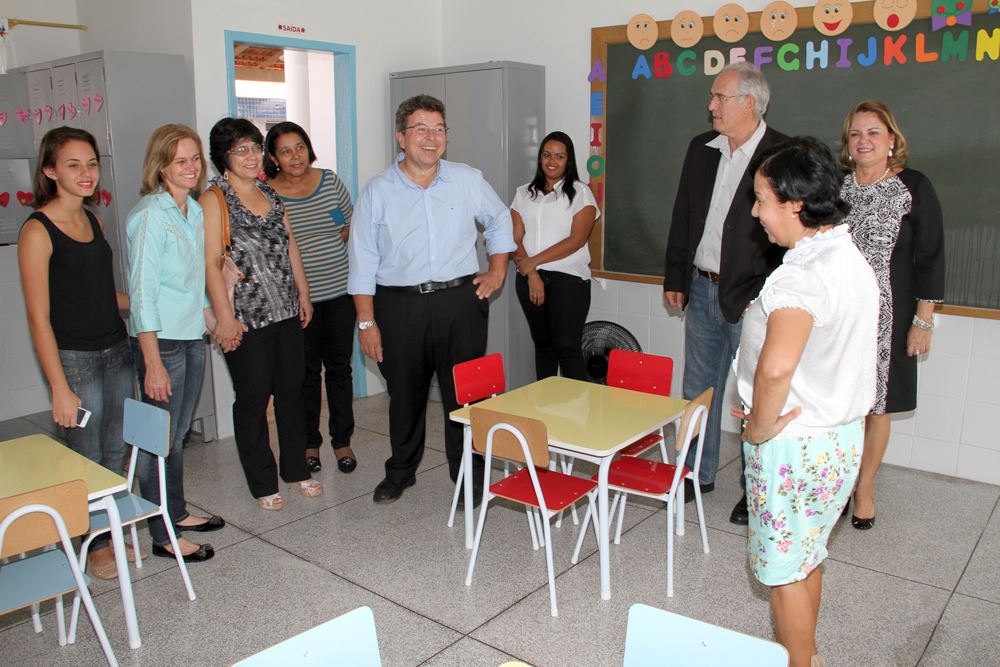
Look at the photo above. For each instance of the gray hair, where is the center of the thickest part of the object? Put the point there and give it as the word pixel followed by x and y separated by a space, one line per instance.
pixel 414 104
pixel 752 83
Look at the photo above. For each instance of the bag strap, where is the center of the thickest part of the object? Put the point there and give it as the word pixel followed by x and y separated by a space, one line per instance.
pixel 224 211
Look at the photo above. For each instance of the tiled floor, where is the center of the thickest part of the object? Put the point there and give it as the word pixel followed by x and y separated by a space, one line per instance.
pixel 922 588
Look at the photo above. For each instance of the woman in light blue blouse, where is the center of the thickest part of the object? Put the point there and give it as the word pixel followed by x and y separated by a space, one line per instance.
pixel 166 254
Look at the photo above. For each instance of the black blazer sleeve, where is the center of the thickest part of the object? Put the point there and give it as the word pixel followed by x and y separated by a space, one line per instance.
pixel 924 259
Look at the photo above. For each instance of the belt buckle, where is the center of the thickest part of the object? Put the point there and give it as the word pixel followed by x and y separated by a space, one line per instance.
pixel 425 288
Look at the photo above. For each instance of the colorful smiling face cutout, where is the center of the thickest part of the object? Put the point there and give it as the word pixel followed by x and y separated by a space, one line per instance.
pixel 687 28
pixel 832 17
pixel 642 31
pixel 994 6
pixel 949 13
pixel 731 23
pixel 894 15
pixel 779 20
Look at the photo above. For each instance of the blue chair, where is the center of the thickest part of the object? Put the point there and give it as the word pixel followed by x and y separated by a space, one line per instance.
pixel 37 519
pixel 145 427
pixel 345 641
pixel 658 637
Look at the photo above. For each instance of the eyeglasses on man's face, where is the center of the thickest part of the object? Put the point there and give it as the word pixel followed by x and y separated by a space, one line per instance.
pixel 721 99
pixel 422 130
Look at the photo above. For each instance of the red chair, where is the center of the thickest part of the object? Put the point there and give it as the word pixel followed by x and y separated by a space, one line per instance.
pixel 649 373
pixel 475 380
pixel 524 440
pixel 661 481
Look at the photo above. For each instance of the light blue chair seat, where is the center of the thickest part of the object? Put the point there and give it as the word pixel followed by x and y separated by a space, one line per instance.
pixel 345 641
pixel 131 508
pixel 37 577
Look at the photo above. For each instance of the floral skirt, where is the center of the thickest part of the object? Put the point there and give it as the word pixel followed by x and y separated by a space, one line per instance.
pixel 796 490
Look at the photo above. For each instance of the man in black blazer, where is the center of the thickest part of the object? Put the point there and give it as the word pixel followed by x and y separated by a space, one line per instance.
pixel 718 255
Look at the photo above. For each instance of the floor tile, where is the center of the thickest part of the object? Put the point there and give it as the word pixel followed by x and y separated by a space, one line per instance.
pixel 982 576
pixel 968 634
pixel 466 652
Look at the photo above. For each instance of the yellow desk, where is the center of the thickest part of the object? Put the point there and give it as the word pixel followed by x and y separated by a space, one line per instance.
pixel 585 420
pixel 38 461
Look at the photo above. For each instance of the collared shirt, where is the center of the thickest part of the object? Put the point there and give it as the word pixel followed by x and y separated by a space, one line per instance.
pixel 403 234
pixel 548 219
pixel 732 165
pixel 166 257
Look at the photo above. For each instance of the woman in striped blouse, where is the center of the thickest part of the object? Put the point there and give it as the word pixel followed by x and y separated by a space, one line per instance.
pixel 319 210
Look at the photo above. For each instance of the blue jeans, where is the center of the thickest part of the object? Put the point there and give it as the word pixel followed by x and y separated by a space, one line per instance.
pixel 102 379
pixel 185 364
pixel 710 343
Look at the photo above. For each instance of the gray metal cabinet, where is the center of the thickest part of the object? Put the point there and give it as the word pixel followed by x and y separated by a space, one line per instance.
pixel 496 116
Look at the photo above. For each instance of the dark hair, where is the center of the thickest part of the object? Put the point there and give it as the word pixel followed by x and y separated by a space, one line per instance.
pixel 275 133
pixel 44 189
pixel 803 169
pixel 571 176
pixel 224 135
pixel 417 103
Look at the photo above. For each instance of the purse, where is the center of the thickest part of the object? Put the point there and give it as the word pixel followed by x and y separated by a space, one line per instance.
pixel 230 273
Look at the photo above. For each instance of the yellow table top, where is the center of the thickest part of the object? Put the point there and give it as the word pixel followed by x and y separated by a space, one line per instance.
pixel 37 461
pixel 585 417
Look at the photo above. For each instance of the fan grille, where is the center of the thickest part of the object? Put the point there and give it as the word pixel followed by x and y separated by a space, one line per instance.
pixel 599 338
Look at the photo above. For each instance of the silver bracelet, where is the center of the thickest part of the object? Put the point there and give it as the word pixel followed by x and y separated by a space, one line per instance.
pixel 920 324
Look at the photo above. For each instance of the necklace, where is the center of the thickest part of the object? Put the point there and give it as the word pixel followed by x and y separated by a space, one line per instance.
pixel 880 178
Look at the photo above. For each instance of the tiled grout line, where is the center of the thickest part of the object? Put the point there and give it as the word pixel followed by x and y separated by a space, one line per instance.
pixel 958 581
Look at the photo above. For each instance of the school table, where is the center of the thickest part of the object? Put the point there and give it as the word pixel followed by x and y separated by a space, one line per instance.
pixel 586 421
pixel 38 461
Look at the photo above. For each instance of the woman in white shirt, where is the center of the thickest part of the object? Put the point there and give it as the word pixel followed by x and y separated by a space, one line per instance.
pixel 806 376
pixel 553 217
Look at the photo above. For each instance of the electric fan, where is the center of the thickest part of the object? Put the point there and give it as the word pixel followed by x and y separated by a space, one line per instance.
pixel 599 338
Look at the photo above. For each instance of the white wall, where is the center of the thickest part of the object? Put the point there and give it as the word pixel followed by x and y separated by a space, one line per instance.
pixel 36 44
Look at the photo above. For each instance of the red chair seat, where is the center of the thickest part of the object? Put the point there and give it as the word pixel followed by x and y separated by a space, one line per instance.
pixel 560 490
pixel 643 475
pixel 641 445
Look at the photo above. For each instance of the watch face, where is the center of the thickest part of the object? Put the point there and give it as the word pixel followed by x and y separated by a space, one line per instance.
pixel 366 324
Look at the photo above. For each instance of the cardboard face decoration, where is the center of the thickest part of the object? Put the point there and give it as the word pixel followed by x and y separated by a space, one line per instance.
pixel 894 15
pixel 687 28
pixel 949 13
pixel 779 20
pixel 642 31
pixel 832 17
pixel 731 23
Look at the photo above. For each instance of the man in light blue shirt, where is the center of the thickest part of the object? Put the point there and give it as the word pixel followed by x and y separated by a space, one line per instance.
pixel 421 304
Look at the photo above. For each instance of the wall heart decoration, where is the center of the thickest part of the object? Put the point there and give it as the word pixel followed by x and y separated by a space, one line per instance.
pixel 106 197
pixel 61 110
pixel 85 103
pixel 98 102
pixel 22 115
pixel 24 198
pixel 38 116
pixel 3 118
pixel 4 199
pixel 48 112
pixel 71 108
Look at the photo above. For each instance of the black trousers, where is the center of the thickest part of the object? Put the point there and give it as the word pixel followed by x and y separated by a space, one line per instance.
pixel 269 362
pixel 557 325
pixel 329 341
pixel 424 334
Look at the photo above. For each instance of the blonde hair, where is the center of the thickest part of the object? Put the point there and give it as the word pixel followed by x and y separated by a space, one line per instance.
pixel 900 150
pixel 160 153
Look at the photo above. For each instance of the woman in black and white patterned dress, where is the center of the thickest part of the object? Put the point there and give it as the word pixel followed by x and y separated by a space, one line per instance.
pixel 896 222
pixel 261 334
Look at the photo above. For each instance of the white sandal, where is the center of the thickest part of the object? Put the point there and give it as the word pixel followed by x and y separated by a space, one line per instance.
pixel 311 487
pixel 271 503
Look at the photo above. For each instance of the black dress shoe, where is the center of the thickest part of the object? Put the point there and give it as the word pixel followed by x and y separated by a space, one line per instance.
pixel 689 489
pixel 389 491
pixel 862 524
pixel 213 523
pixel 740 514
pixel 204 552
pixel 347 464
pixel 313 463
pixel 477 497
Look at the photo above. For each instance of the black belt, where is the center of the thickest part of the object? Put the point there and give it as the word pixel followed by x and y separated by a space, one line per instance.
pixel 714 277
pixel 429 287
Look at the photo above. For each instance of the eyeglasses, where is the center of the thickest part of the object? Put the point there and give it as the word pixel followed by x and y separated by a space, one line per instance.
pixel 247 149
pixel 720 98
pixel 422 130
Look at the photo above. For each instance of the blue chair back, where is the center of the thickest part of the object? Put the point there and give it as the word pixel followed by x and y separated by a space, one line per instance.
pixel 147 427
pixel 345 641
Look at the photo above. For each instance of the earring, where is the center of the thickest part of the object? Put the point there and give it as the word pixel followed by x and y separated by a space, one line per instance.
pixel 225 175
pixel 890 150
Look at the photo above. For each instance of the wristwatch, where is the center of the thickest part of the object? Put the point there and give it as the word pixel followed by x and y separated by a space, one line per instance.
pixel 365 324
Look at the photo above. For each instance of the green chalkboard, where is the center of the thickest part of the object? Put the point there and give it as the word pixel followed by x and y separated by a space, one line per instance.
pixel 949 111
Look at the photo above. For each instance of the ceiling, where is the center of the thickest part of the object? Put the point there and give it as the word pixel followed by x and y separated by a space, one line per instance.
pixel 259 63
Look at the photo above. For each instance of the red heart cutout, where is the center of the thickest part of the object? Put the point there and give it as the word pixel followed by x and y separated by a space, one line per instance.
pixel 24 198
pixel 22 115
pixel 106 196
pixel 48 112
pixel 38 116
pixel 98 102
pixel 3 118
pixel 72 110
pixel 4 199
pixel 85 103
pixel 61 110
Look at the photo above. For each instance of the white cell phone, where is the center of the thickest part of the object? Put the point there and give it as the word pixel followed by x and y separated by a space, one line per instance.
pixel 82 418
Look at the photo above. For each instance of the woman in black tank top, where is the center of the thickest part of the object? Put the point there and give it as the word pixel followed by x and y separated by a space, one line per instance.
pixel 73 307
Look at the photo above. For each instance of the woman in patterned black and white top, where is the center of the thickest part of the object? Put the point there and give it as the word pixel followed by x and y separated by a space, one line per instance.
pixel 262 339
pixel 896 222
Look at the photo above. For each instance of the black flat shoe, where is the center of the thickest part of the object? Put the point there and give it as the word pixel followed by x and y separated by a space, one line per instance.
pixel 740 514
pixel 389 491
pixel 862 524
pixel 312 462
pixel 204 552
pixel 347 464
pixel 689 489
pixel 213 523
